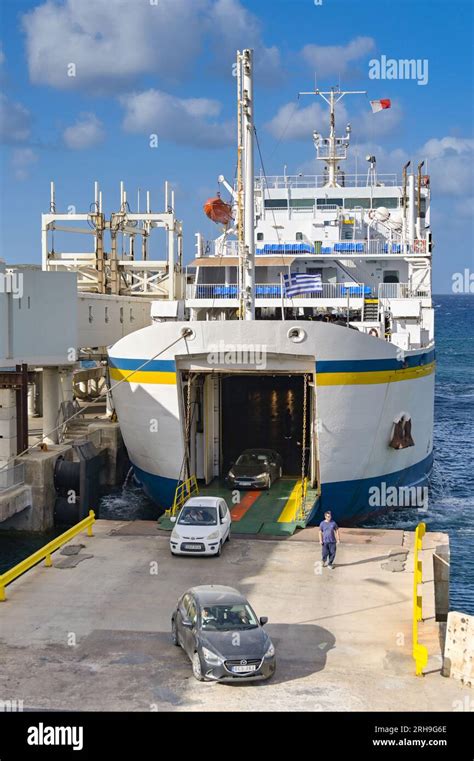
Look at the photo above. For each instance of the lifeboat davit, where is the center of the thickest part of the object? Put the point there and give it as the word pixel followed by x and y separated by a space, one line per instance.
pixel 217 210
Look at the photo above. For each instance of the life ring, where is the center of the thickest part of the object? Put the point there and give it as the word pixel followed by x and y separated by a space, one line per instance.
pixel 374 332
pixel 419 246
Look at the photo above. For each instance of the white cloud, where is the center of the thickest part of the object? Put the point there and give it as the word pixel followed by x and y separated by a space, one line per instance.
pixel 451 164
pixel 186 121
pixel 379 124
pixel 233 28
pixel 15 121
pixel 85 133
pixel 337 59
pixel 294 121
pixel 21 161
pixel 111 43
pixel 114 43
pixel 439 147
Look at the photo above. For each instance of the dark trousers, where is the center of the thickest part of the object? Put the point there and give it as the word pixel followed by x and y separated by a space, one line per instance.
pixel 329 551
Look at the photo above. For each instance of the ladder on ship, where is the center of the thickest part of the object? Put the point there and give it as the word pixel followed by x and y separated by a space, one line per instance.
pixel 371 310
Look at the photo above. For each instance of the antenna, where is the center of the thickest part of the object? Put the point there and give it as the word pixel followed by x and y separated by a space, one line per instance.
pixel 332 149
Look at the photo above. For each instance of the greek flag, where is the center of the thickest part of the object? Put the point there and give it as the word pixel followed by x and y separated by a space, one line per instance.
pixel 296 284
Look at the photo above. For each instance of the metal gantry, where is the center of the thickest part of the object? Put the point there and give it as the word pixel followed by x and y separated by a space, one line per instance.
pixel 118 262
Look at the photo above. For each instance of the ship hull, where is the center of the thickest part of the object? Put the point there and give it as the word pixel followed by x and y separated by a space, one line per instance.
pixel 361 385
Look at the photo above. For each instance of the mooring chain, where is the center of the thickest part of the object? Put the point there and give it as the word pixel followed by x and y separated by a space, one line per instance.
pixel 187 432
pixel 303 446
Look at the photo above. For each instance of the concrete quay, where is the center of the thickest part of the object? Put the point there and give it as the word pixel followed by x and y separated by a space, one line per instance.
pixel 95 635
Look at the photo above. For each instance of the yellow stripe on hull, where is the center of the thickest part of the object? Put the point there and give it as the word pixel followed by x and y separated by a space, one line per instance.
pixel 375 376
pixel 143 376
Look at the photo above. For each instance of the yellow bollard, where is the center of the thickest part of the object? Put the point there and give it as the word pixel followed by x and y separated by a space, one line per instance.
pixel 89 528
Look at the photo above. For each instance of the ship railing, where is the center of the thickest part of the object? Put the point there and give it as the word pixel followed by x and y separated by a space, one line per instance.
pixel 307 248
pixel 320 180
pixel 268 291
pixel 12 476
pixel 402 291
pixel 184 491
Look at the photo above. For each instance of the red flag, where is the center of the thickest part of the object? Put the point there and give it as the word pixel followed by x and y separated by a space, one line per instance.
pixel 379 105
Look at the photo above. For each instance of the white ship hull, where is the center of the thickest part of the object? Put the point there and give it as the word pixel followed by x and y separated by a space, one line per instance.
pixel 361 385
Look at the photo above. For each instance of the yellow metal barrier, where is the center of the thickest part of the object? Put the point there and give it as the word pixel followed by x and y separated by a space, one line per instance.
pixel 420 652
pixel 184 491
pixel 45 553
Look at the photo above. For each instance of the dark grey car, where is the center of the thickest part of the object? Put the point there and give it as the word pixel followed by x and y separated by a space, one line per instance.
pixel 222 636
pixel 255 469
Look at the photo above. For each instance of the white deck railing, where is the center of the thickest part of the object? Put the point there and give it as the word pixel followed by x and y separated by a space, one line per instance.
pixel 306 248
pixel 266 291
pixel 319 181
pixel 402 291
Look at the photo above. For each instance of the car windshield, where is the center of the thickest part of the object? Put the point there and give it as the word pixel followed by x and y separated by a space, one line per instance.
pixel 228 617
pixel 198 516
pixel 252 458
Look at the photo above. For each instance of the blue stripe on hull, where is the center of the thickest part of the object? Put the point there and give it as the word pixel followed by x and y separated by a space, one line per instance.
pixel 348 501
pixel 374 365
pixel 159 489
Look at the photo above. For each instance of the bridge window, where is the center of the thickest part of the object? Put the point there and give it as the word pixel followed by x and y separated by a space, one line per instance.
pixel 259 236
pixel 321 202
pixel 391 276
pixel 389 203
pixel 299 236
pixel 361 203
pixel 302 203
pixel 276 203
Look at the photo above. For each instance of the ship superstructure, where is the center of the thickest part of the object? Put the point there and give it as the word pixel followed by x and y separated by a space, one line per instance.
pixel 338 376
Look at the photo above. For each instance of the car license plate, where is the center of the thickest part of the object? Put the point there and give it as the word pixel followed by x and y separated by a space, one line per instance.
pixel 190 546
pixel 243 669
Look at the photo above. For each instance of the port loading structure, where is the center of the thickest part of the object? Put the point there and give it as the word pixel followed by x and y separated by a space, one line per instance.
pixel 369 377
pixel 57 318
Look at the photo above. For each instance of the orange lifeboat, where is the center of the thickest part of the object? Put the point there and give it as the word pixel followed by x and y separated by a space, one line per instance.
pixel 217 210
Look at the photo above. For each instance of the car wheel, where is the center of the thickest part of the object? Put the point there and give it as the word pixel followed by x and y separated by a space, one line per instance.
pixel 228 537
pixel 174 634
pixel 197 670
pixel 219 550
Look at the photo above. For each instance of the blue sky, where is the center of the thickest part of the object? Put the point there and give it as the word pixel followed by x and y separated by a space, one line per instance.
pixel 165 67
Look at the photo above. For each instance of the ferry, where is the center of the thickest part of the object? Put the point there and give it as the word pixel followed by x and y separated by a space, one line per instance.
pixel 305 327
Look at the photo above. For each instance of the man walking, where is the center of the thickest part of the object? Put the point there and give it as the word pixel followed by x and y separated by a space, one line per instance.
pixel 329 538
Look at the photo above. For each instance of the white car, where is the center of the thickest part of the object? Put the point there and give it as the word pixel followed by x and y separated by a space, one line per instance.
pixel 201 528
